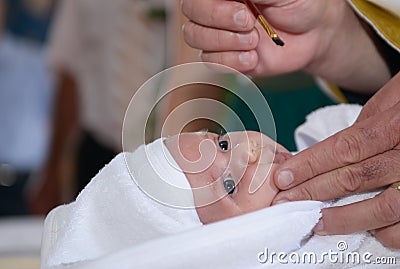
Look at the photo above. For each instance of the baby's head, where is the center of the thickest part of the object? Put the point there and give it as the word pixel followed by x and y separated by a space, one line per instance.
pixel 229 174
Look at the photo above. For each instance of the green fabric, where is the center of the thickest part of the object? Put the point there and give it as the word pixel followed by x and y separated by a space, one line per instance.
pixel 290 97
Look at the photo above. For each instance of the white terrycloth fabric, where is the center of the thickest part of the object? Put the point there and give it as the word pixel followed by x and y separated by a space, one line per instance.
pixel 112 213
pixel 325 122
pixel 319 125
pixel 233 243
pixel 250 241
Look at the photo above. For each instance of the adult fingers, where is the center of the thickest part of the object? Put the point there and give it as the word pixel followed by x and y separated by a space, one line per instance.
pixel 241 61
pixel 389 236
pixel 219 14
pixel 380 211
pixel 210 39
pixel 372 173
pixel 361 141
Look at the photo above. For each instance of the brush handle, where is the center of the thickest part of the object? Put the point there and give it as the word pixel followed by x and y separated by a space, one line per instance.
pixel 261 19
pixel 256 12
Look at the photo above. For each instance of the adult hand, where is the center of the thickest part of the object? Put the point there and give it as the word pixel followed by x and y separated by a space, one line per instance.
pixel 225 32
pixel 363 157
pixel 321 37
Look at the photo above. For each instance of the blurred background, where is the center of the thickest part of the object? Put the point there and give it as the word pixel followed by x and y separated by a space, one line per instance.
pixel 68 69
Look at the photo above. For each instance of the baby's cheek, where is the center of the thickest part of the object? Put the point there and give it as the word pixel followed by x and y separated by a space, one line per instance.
pixel 209 214
pixel 268 191
pixel 216 211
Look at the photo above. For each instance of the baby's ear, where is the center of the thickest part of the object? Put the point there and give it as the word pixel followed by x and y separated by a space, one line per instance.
pixel 281 157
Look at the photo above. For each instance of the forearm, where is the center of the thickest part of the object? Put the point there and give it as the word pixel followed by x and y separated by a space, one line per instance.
pixel 351 58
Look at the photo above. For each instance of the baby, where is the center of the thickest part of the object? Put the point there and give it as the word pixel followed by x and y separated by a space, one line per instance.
pixel 169 186
pixel 177 184
pixel 229 174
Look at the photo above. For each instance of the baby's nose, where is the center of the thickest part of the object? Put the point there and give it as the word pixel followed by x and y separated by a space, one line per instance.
pixel 254 150
pixel 247 152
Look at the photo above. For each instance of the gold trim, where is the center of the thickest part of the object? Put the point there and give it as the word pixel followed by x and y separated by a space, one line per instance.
pixel 395 186
pixel 385 21
pixel 337 93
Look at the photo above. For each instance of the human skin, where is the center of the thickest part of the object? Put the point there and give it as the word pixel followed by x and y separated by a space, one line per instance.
pixel 321 37
pixel 361 158
pixel 244 157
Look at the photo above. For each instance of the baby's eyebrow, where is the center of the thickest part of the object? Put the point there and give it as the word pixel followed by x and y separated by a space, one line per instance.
pixel 203 132
pixel 222 132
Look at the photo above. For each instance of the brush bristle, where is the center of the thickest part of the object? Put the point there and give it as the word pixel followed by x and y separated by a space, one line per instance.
pixel 278 41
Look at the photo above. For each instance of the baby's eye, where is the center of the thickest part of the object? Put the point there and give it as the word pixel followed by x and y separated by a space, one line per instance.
pixel 229 185
pixel 223 144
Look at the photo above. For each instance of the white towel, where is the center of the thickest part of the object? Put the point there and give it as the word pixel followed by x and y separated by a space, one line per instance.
pixel 112 213
pixel 319 125
pixel 240 242
pixel 249 241
pixel 233 243
pixel 324 122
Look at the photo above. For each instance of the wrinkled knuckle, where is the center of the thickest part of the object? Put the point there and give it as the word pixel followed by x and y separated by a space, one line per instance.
pixel 350 182
pixel 310 163
pixel 347 148
pixel 220 38
pixel 388 208
pixel 220 58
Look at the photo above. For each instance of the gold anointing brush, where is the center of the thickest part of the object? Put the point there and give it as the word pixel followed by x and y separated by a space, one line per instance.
pixel 256 12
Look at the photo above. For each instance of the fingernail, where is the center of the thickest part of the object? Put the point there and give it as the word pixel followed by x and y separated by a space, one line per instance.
pixel 240 18
pixel 246 38
pixel 285 178
pixel 245 58
pixel 281 201
pixel 319 228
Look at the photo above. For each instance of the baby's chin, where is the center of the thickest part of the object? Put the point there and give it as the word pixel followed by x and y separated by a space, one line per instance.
pixel 273 190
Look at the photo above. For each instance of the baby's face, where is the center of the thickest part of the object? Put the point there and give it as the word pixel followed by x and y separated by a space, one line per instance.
pixel 229 174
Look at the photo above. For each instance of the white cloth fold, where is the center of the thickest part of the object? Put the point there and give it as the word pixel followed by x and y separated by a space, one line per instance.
pixel 233 243
pixel 238 242
pixel 112 213
pixel 253 240
pixel 324 122
pixel 319 125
